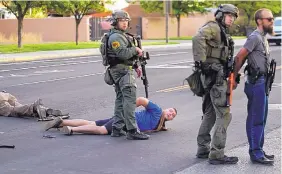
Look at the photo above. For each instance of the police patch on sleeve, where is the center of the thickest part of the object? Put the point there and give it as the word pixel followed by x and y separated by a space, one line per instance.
pixel 115 44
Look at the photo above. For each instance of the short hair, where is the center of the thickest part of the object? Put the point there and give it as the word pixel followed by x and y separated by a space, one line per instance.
pixel 175 110
pixel 258 14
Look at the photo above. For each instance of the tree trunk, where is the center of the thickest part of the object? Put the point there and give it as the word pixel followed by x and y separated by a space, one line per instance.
pixel 178 26
pixel 77 22
pixel 20 27
pixel 249 19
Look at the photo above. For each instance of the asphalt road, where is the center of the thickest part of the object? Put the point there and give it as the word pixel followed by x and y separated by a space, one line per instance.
pixel 76 85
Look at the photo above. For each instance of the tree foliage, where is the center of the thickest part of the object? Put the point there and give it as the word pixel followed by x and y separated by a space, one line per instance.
pixel 20 9
pixel 76 8
pixel 250 7
pixel 179 8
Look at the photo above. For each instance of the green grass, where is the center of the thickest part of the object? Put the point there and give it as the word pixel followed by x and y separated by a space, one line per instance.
pixel 190 38
pixel 60 46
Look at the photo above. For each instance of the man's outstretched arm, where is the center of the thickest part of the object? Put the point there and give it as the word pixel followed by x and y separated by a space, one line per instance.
pixel 142 101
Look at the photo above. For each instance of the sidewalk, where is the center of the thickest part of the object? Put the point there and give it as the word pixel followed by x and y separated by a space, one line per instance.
pixel 17 57
pixel 273 146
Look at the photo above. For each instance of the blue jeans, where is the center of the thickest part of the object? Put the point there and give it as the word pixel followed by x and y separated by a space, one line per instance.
pixel 257 115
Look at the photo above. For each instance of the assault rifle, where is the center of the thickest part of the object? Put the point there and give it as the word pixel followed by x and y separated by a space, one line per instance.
pixel 142 59
pixel 270 76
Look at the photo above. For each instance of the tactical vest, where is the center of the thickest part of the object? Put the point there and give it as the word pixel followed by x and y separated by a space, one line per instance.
pixel 109 57
pixel 218 52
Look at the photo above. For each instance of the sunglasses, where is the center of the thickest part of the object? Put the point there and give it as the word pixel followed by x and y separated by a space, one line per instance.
pixel 269 19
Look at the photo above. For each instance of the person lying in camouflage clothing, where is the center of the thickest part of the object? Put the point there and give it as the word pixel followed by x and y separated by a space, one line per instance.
pixel 10 107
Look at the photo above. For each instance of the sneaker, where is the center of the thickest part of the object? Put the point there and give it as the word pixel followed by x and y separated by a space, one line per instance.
pixel 224 160
pixel 54 123
pixel 67 130
pixel 137 136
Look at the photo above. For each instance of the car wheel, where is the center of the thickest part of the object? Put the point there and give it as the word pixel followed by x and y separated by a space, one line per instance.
pixel 278 43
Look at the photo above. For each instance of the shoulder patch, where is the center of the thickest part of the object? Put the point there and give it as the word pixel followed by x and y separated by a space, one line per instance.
pixel 115 44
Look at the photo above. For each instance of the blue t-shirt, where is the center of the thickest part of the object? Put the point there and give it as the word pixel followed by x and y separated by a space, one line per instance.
pixel 148 118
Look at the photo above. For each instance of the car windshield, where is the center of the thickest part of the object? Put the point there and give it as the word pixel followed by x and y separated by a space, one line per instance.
pixel 277 22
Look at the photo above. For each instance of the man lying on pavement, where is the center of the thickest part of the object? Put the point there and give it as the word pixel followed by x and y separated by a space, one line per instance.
pixel 150 119
pixel 10 107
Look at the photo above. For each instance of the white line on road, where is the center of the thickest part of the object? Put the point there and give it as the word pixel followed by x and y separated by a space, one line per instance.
pixel 47 60
pixel 47 66
pixel 66 64
pixel 57 79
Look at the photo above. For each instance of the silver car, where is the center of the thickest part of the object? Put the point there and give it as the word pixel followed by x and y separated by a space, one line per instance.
pixel 276 38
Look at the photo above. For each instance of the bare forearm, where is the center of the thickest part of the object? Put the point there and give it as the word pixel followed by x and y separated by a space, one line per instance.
pixel 240 60
pixel 141 101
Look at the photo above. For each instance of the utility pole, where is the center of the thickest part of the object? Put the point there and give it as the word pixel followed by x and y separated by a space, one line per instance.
pixel 166 19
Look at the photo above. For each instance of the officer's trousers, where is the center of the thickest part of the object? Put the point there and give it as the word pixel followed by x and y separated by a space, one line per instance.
pixel 125 103
pixel 215 114
pixel 257 116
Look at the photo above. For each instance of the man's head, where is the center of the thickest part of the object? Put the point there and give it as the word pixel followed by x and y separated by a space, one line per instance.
pixel 264 20
pixel 226 14
pixel 170 113
pixel 120 20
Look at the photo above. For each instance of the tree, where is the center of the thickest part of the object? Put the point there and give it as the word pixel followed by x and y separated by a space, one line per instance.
pixel 180 8
pixel 250 7
pixel 78 9
pixel 20 9
pixel 37 12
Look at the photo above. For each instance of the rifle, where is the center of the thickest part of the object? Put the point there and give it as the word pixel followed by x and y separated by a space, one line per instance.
pixel 7 146
pixel 270 76
pixel 143 63
pixel 230 72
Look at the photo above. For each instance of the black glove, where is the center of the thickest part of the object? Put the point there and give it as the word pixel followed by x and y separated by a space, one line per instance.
pixel 237 79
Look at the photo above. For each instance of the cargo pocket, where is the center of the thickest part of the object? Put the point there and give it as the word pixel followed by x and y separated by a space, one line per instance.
pixel 218 94
pixel 127 80
pixel 108 78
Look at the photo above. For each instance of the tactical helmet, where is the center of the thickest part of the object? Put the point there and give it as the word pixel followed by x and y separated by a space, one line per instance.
pixel 226 8
pixel 119 14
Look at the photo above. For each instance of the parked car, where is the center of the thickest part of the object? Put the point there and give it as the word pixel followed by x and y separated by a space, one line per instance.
pixel 276 38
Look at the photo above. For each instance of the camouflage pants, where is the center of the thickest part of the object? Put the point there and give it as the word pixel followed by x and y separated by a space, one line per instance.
pixel 215 115
pixel 125 103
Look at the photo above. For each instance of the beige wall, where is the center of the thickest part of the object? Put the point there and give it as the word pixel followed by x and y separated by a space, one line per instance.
pixel 50 29
pixel 63 29
pixel 154 27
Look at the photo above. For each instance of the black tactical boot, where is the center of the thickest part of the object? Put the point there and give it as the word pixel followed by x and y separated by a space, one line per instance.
pixel 136 135
pixel 203 155
pixel 117 132
pixel 224 160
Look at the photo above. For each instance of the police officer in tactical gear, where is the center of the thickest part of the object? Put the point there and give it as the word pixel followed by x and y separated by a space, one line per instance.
pixel 122 53
pixel 256 52
pixel 211 49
